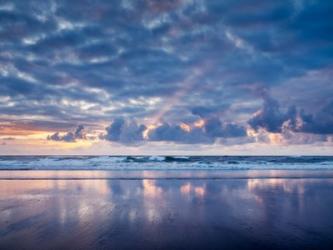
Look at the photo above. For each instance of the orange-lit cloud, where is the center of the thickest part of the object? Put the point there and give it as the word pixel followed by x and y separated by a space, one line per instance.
pixel 19 130
pixel 199 123
pixel 185 127
pixel 147 130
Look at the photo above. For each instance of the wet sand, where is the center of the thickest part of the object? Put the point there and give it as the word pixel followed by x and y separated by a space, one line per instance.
pixel 170 210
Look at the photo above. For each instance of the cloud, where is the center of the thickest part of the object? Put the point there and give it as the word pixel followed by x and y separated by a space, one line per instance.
pixel 9 138
pixel 190 134
pixel 319 123
pixel 203 111
pixel 205 132
pixel 180 134
pixel 125 132
pixel 89 62
pixel 78 134
pixel 215 128
pixel 269 116
pixel 272 119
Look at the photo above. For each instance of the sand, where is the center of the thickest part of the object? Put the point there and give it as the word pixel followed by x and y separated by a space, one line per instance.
pixel 154 210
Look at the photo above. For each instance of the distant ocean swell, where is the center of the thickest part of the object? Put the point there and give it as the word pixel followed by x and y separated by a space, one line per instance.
pixel 165 162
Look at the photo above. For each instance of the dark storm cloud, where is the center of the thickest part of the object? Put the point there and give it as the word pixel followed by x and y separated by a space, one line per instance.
pixel 92 61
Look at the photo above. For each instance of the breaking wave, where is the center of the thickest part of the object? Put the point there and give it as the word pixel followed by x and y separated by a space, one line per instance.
pixel 164 162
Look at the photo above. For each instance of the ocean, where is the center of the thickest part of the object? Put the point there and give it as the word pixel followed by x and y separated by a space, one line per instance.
pixel 166 162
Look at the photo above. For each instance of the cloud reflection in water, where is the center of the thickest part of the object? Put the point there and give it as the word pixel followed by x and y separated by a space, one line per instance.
pixel 156 213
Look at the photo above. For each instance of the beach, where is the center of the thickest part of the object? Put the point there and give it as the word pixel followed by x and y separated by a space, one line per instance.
pixel 166 124
pixel 166 210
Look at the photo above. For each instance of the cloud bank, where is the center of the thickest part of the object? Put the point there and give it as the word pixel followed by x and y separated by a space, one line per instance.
pixel 78 134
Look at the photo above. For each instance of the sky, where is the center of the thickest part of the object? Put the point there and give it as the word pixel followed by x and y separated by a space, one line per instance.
pixel 166 77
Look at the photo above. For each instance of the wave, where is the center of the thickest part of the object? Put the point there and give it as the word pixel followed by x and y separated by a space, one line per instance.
pixel 165 162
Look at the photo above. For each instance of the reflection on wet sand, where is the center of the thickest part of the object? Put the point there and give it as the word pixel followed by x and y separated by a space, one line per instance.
pixel 163 214
pixel 189 189
pixel 287 186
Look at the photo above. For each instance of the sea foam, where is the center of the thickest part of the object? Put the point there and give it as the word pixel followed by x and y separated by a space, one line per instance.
pixel 165 162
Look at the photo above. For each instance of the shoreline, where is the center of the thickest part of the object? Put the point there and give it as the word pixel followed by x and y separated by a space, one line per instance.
pixel 165 174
